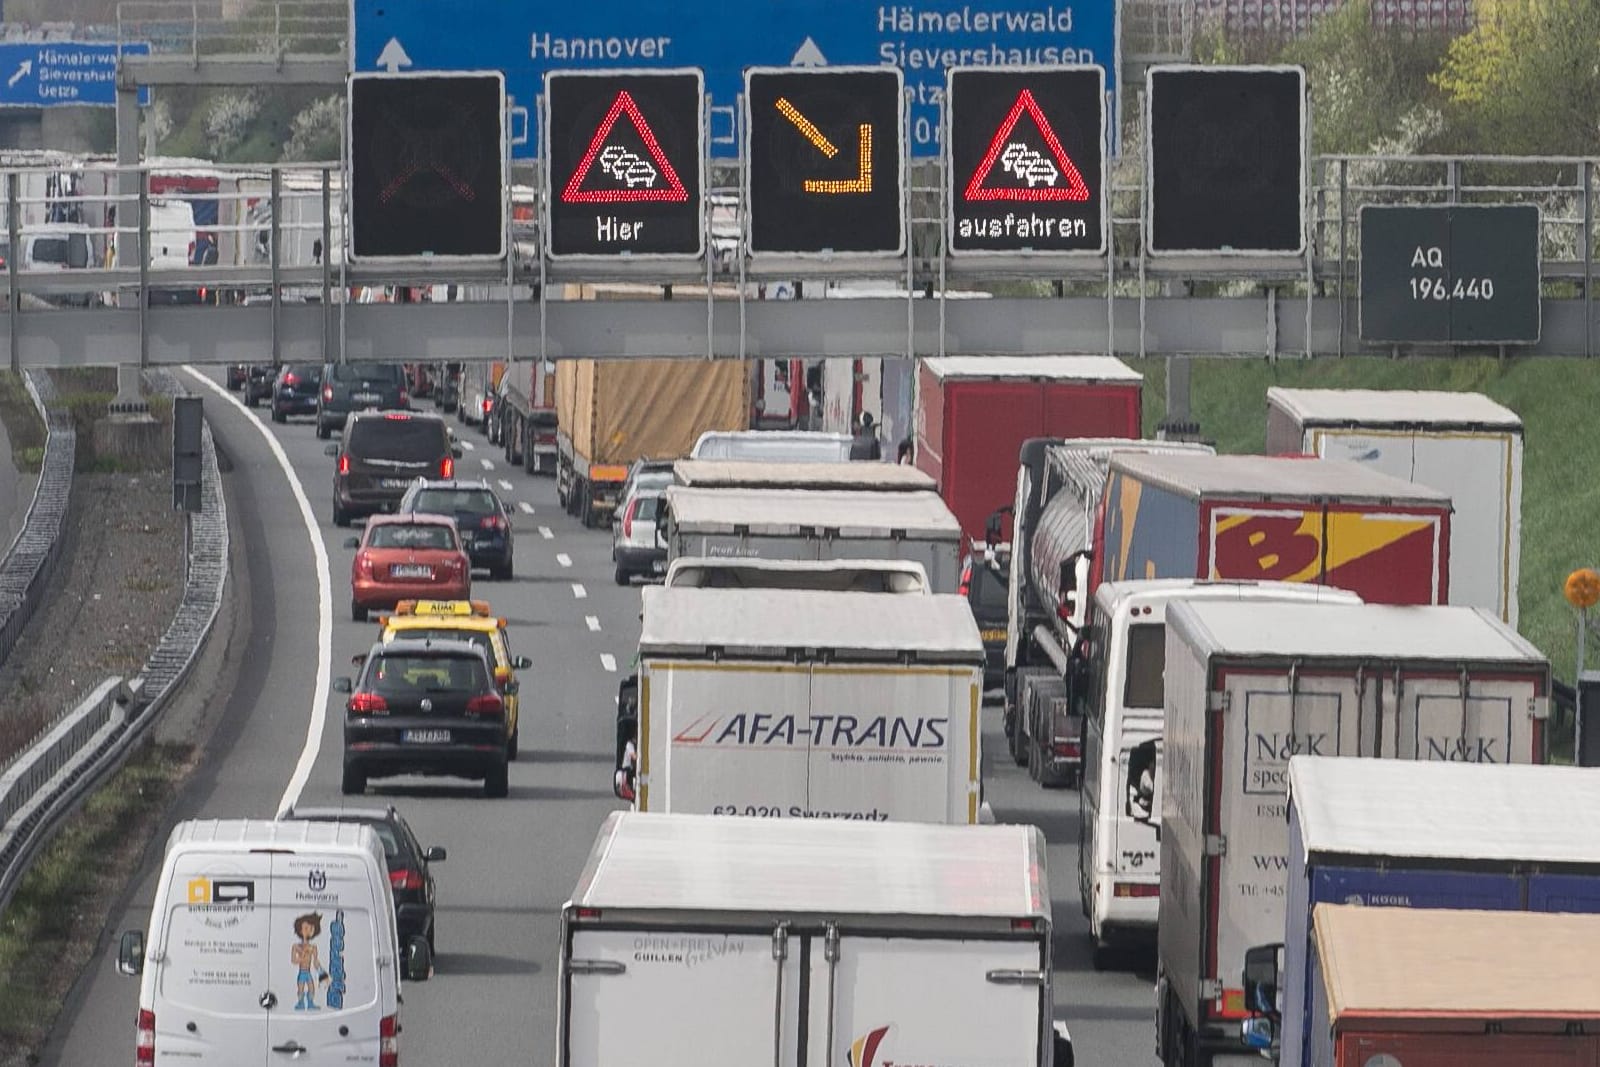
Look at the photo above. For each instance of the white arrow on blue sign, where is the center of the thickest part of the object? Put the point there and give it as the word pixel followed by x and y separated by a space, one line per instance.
pixel 63 73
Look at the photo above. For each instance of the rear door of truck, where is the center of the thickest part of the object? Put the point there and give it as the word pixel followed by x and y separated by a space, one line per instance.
pixel 679 999
pixel 1433 719
pixel 925 1000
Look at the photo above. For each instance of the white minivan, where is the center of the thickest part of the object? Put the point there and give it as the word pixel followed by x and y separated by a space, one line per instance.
pixel 270 942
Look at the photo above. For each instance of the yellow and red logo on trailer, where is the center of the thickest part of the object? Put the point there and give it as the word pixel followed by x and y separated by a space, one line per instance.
pixel 1386 557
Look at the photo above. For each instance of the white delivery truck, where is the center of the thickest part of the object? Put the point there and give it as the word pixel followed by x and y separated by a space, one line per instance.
pixel 270 940
pixel 692 941
pixel 751 474
pixel 804 704
pixel 1248 685
pixel 816 524
pixel 1462 444
pixel 833 575
pixel 1120 684
pixel 773 446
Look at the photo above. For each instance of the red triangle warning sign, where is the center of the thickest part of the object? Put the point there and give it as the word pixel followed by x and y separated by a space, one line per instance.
pixel 626 176
pixel 1039 177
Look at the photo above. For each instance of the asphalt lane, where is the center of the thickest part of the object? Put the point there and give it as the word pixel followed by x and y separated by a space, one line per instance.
pixel 512 862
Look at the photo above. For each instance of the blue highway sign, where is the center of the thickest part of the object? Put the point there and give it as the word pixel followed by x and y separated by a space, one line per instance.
pixel 56 73
pixel 722 37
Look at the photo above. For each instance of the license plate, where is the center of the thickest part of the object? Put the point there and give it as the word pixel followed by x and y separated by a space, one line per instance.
pixel 659 566
pixel 395 483
pixel 425 737
pixel 993 635
pixel 411 570
pixel 366 398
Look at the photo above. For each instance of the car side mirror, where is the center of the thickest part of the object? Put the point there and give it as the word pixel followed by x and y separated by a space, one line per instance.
pixel 455 450
pixel 435 854
pixel 419 959
pixel 343 685
pixel 1140 804
pixel 330 450
pixel 130 954
pixel 1262 966
pixel 521 663
pixel 352 542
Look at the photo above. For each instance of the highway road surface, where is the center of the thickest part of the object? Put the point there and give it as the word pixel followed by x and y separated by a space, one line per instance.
pixel 512 862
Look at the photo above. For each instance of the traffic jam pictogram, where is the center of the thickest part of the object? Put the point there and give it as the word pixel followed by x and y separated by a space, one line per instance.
pixel 1027 158
pixel 621 146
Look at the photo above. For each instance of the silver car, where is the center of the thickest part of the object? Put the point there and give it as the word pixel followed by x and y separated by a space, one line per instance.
pixel 638 545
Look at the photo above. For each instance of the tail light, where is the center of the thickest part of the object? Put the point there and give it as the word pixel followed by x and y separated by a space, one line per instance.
pixel 144 1042
pixel 1135 889
pixel 447 467
pixel 486 704
pixel 291 379
pixel 406 879
pixel 368 704
pixel 492 522
pixel 487 404
pixel 627 517
pixel 1066 749
pixel 202 294
pixel 389 1041
pixel 966 577
pixel 327 393
pixel 1020 925
pixel 344 464
pixel 364 565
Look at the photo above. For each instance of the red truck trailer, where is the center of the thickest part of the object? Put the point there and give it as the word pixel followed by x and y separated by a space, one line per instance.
pixel 974 412
pixel 1272 518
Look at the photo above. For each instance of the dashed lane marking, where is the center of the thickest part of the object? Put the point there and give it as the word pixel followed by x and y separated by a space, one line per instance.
pixel 469 446
pixel 609 662
pixel 527 508
pixel 579 592
pixel 507 486
pixel 488 464
pixel 563 559
pixel 545 532
pixel 593 622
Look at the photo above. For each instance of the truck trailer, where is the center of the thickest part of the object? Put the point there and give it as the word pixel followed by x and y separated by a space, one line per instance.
pixel 1273 518
pixel 692 940
pixel 1437 835
pixel 973 413
pixel 612 412
pixel 1463 444
pixel 816 524
pixel 1247 686
pixel 525 410
pixel 788 703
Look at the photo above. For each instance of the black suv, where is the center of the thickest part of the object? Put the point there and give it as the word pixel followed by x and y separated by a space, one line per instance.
pixel 295 391
pixel 482 519
pixel 424 707
pixel 348 387
pixel 381 453
pixel 258 383
pixel 409 874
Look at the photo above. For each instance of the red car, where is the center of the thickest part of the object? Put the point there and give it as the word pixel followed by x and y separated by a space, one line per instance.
pixel 401 557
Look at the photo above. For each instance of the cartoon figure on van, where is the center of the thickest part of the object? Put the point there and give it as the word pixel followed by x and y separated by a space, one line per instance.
pixel 308 962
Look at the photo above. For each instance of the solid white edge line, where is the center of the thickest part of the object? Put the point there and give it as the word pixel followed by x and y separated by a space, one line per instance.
pixel 563 559
pixel 319 691
pixel 609 662
pixel 593 622
pixel 527 508
pixel 578 591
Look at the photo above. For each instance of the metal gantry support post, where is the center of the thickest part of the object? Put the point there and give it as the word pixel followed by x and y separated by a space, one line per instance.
pixel 1344 249
pixel 131 239
pixel 14 243
pixel 327 264
pixel 274 235
pixel 1586 177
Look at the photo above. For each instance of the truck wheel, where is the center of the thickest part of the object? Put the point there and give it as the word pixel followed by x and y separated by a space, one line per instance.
pixel 496 783
pixel 1019 755
pixel 1102 955
pixel 1034 771
pixel 588 507
pixel 561 487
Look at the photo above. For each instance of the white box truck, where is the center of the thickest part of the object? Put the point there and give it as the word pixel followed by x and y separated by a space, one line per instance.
pixel 692 941
pixel 804 704
pixel 1119 687
pixel 1248 685
pixel 1462 444
pixel 756 474
pixel 816 524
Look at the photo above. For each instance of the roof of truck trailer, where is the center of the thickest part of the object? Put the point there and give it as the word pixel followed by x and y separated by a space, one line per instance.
pixel 1388 963
pixel 755 474
pixel 784 511
pixel 662 862
pixel 1476 811
pixel 771 621
pixel 1055 368
pixel 1378 408
pixel 1376 632
pixel 1272 477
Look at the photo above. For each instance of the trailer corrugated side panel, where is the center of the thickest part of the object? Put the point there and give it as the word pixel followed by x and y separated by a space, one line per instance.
pixel 1564 892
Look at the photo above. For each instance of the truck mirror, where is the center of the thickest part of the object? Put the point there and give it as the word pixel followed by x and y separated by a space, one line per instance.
pixel 993 525
pixel 1262 964
pixel 342 685
pixel 1141 784
pixel 352 542
pixel 130 954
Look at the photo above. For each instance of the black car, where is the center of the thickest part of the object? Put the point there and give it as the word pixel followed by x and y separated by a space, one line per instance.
pixel 237 373
pixel 348 387
pixel 258 381
pixel 482 519
pixel 409 874
pixel 985 582
pixel 381 454
pixel 295 391
pixel 424 707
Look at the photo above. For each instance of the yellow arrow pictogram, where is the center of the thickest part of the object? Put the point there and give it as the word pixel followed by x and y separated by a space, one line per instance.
pixel 862 182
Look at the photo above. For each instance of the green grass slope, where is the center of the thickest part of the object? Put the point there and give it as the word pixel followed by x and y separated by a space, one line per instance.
pixel 1561 463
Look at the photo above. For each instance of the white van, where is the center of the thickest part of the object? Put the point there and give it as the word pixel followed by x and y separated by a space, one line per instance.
pixel 269 937
pixel 1119 860
pixel 773 446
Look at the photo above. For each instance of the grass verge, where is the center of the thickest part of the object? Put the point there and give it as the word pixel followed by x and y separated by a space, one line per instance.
pixel 22 423
pixel 45 939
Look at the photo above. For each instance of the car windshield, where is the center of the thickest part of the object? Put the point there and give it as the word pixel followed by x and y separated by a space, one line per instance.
pixel 406 440
pixel 368 372
pixel 70 251
pixel 652 479
pixel 395 535
pixel 649 507
pixel 305 371
pixel 450 501
pixel 477 637
pixel 428 672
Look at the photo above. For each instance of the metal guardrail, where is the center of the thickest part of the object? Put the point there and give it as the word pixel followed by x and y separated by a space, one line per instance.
pixel 31 559
pixel 89 742
pixel 202 28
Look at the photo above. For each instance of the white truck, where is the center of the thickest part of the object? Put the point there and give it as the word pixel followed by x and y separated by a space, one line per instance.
pixel 898 576
pixel 802 704
pixel 773 446
pixel 816 524
pixel 1248 685
pixel 751 474
pixel 1463 444
pixel 692 941
pixel 1119 686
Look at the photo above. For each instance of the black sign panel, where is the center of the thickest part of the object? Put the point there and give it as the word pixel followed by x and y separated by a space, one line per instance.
pixel 825 158
pixel 427 166
pixel 1225 166
pixel 1027 159
pixel 1464 274
pixel 625 163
